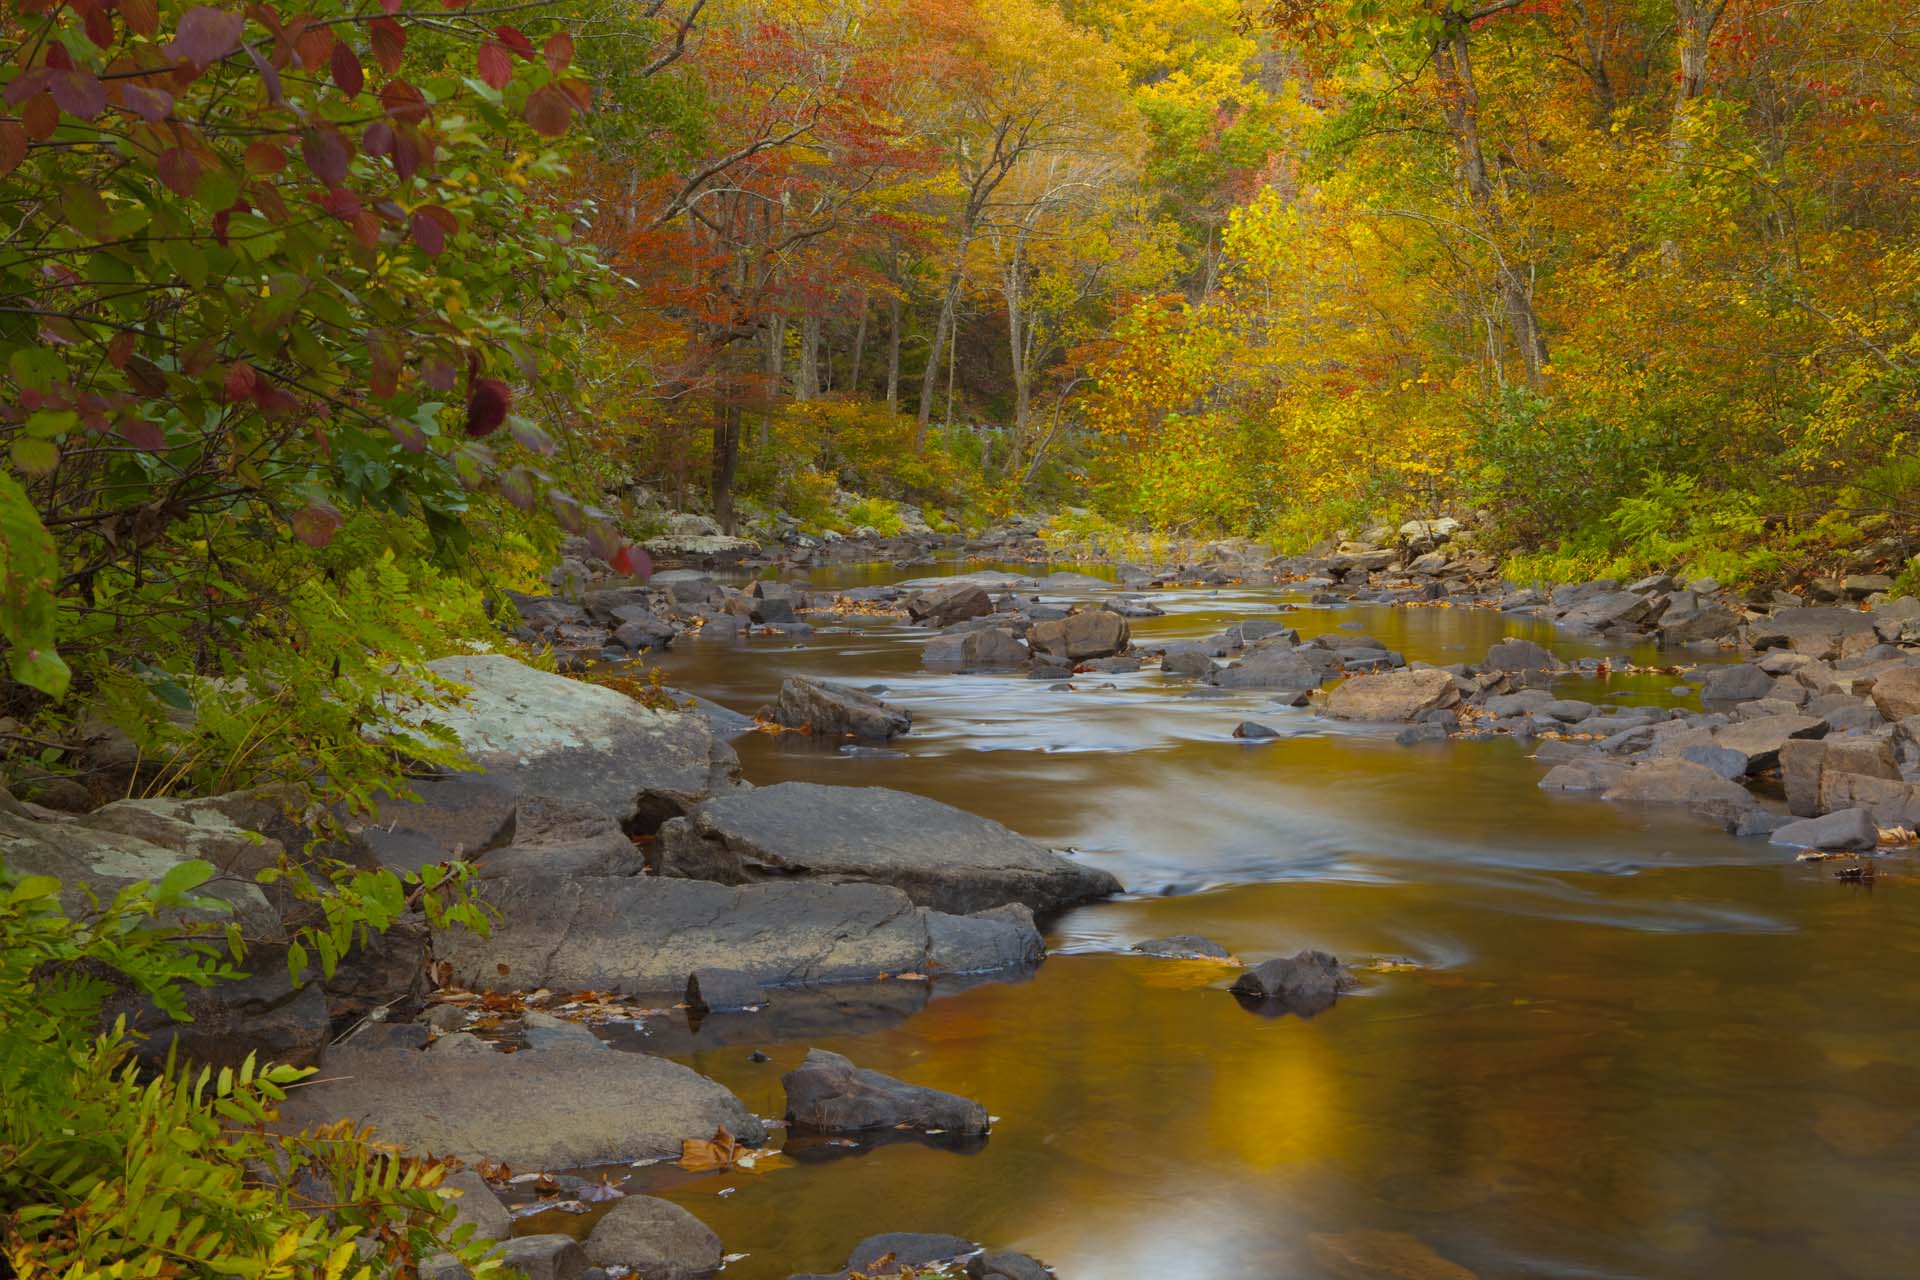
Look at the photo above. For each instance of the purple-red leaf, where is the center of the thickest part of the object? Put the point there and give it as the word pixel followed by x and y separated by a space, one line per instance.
pixel 549 110
pixel 205 36
pixel 378 139
pixel 13 147
pixel 179 168
pixel 389 43
pixel 79 93
pixel 347 75
pixel 26 84
pixel 429 235
pixel 517 486
pixel 410 437
pixel 558 51
pixel 327 154
pixel 632 561
pixel 487 404
pixel 151 105
pixel 530 436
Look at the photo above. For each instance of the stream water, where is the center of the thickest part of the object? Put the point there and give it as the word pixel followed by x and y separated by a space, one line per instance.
pixel 1592 1042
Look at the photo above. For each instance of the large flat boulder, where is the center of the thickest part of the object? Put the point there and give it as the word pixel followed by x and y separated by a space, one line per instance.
pixel 941 606
pixel 1819 632
pixel 1897 693
pixel 1394 696
pixel 585 744
pixel 1277 667
pixel 942 857
pixel 1760 740
pixel 648 933
pixel 559 1107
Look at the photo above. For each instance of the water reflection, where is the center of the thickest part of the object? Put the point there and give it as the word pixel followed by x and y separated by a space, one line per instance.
pixel 1630 1047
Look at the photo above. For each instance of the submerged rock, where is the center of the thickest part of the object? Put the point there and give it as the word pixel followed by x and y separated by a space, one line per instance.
pixel 1183 946
pixel 1087 633
pixel 1306 983
pixel 1846 829
pixel 828 1094
pixel 1682 784
pixel 898 1252
pixel 942 857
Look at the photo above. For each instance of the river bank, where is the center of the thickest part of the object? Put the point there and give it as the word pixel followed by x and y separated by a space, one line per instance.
pixel 1530 969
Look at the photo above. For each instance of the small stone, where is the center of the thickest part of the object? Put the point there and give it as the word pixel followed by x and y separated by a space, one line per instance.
pixel 446 1018
pixel 1254 731
pixel 544 1257
pixel 655 1240
pixel 1306 983
pixel 827 1093
pixel 1183 946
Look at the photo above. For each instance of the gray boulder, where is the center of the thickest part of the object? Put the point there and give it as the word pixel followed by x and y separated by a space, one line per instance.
pixel 551 1108
pixel 544 1257
pixel 588 745
pixel 551 838
pixel 1896 694
pixel 715 990
pixel 1744 683
pixel 1818 632
pixel 985 649
pixel 942 606
pixel 899 1252
pixel 1760 740
pixel 828 1094
pixel 1000 1264
pixel 1395 696
pixel 1847 829
pixel 1002 938
pixel 826 708
pixel 1514 654
pixel 1086 633
pixel 475 1203
pixel 647 933
pixel 942 857
pixel 1186 660
pixel 655 1240
pixel 1275 667
pixel 1681 784
pixel 1305 983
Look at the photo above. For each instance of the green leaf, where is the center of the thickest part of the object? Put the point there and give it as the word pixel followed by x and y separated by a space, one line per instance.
pixel 33 888
pixel 184 877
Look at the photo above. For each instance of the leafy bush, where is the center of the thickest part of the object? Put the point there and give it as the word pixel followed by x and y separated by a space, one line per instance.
pixel 109 1173
pixel 878 514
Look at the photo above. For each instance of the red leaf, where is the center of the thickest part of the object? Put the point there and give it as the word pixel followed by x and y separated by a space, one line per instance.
pixel 429 235
pixel 389 43
pixel 346 69
pixel 142 434
pixel 327 154
pixel 402 101
pixel 99 27
pixel 378 139
pixel 511 37
pixel 179 168
pixel 438 374
pixel 58 58
pixel 632 561
pixel 580 91
pixel 487 404
pixel 13 147
pixel 496 67
pixel 141 16
pixel 409 152
pixel 315 45
pixel 265 157
pixel 120 349
pixel 366 229
pixel 40 117
pixel 317 522
pixel 559 51
pixel 241 382
pixel 391 6
pixel 549 110
pixel 205 36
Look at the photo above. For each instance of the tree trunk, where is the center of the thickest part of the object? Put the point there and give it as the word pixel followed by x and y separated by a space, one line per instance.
pixel 859 345
pixel 1460 104
pixel 726 456
pixel 806 380
pixel 775 359
pixel 893 353
pixel 936 348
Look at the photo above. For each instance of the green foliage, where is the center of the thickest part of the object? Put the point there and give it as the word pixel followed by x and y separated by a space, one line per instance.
pixel 878 514
pixel 109 1172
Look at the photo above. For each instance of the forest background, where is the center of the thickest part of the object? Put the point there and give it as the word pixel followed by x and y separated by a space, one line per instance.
pixel 320 323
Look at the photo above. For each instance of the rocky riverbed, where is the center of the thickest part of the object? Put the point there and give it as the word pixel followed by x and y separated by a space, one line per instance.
pixel 1388 906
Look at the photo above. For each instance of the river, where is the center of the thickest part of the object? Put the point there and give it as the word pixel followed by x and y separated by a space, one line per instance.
pixel 1590 1042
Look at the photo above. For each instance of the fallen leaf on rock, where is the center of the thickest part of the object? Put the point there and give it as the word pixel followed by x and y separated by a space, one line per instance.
pixel 1895 837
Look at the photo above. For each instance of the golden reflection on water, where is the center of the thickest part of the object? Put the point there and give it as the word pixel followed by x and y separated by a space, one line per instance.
pixel 1631 1046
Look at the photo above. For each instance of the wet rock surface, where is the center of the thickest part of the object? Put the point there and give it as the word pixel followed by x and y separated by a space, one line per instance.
pixel 941 857
pixel 827 1093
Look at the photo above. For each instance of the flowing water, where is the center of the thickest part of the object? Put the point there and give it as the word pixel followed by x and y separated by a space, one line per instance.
pixel 1590 1043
